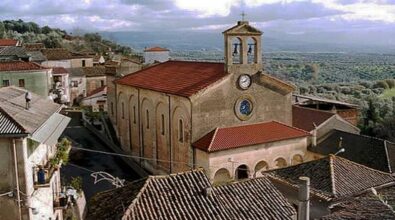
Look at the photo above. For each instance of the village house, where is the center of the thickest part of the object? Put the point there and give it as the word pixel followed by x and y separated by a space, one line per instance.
pixel 319 123
pixel 28 75
pixel 95 78
pixel 190 195
pixel 9 43
pixel 29 132
pixel 332 179
pixel 96 100
pixel 61 85
pixel 14 53
pixel 61 57
pixel 162 111
pixel 347 111
pixel 156 54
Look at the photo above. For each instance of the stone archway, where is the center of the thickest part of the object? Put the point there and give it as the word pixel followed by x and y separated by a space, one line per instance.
pixel 297 159
pixel 242 172
pixel 260 167
pixel 280 163
pixel 222 176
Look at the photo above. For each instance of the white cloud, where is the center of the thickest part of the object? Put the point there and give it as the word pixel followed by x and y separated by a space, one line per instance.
pixel 207 8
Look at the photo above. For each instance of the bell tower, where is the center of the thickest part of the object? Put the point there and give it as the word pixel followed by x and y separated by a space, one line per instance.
pixel 243 53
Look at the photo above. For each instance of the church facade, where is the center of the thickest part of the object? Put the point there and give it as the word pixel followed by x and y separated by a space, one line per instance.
pixel 164 113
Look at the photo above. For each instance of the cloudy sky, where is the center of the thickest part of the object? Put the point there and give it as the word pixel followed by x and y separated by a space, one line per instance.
pixel 290 17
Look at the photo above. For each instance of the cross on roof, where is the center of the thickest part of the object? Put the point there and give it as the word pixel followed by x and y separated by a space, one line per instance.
pixel 243 15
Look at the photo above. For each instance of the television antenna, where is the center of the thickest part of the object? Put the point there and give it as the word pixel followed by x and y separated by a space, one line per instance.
pixel 104 176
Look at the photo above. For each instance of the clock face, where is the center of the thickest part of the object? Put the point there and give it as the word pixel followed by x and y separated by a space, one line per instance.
pixel 245 107
pixel 244 81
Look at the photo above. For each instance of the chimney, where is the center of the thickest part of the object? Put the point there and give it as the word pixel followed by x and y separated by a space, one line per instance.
pixel 28 98
pixel 304 198
pixel 208 191
pixel 314 137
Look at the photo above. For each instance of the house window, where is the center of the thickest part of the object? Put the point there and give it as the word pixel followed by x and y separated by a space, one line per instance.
pixel 6 82
pixel 147 117
pixel 180 131
pixel 162 128
pixel 123 111
pixel 101 83
pixel 21 83
pixel 83 63
pixel 134 114
pixel 74 84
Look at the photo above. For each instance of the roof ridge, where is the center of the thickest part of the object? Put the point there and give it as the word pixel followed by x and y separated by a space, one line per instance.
pixel 141 191
pixel 212 139
pixel 332 174
pixel 289 126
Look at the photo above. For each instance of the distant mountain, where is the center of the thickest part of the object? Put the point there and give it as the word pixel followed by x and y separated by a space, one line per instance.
pixel 184 41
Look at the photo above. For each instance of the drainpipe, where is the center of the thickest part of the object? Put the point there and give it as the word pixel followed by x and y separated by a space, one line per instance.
pixel 304 198
pixel 18 196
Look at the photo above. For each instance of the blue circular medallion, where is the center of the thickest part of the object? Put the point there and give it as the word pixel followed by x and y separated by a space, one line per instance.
pixel 245 107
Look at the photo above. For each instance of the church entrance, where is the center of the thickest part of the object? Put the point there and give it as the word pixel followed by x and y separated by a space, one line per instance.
pixel 242 172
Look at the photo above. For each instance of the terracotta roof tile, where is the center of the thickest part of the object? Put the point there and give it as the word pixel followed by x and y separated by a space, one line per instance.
pixel 184 196
pixel 98 90
pixel 94 71
pixel 367 206
pixel 365 150
pixel 333 177
pixel 305 118
pixel 34 46
pixel 56 53
pixel 6 66
pixel 8 42
pixel 181 78
pixel 59 70
pixel 246 135
pixel 155 49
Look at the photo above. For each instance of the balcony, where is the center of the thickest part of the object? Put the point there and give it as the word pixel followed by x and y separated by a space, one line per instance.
pixel 42 175
pixel 60 201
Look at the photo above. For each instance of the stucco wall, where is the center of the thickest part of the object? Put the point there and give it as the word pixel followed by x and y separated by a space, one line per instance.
pixel 144 136
pixel 215 107
pixel 38 82
pixel 95 82
pixel 252 155
pixel 57 63
pixel 77 62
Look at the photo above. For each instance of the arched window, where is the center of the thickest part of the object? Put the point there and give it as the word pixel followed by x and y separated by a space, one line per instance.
pixel 147 118
pixel 123 110
pixel 222 176
pixel 134 114
pixel 112 108
pixel 162 127
pixel 260 168
pixel 242 172
pixel 237 50
pixel 180 131
pixel 297 159
pixel 251 50
pixel 280 162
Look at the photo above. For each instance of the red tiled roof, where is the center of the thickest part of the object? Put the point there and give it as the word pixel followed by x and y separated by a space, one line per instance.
pixel 8 42
pixel 19 65
pixel 98 90
pixel 305 118
pixel 246 135
pixel 155 49
pixel 181 78
pixel 59 70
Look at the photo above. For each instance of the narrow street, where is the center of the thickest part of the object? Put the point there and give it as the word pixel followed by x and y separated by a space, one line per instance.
pixel 83 163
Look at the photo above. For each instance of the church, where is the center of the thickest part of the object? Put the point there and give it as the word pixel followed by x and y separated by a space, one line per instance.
pixel 230 118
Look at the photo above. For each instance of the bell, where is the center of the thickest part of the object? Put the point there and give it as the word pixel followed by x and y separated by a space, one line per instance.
pixel 249 49
pixel 235 50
